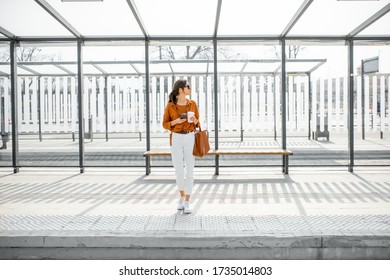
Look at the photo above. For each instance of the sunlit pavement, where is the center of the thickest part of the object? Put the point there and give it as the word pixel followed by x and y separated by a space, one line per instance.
pixel 312 213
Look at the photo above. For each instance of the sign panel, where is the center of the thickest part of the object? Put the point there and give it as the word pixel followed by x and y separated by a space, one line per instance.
pixel 371 65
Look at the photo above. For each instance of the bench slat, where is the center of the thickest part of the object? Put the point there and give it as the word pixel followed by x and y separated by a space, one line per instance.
pixel 227 152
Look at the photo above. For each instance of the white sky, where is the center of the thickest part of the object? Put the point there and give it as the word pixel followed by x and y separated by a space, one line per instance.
pixel 192 17
pixel 197 17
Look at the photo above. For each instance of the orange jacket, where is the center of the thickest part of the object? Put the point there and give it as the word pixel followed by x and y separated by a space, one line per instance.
pixel 173 112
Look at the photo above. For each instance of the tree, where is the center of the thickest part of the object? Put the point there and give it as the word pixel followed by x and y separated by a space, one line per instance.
pixel 23 54
pixel 188 52
pixel 292 51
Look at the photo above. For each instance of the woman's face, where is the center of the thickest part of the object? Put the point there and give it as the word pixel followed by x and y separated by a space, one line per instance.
pixel 187 89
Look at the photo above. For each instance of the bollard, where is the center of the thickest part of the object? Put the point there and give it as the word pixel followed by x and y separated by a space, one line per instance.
pixel 90 127
pixel 4 139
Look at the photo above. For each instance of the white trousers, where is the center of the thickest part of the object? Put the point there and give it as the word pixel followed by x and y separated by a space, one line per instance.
pixel 183 160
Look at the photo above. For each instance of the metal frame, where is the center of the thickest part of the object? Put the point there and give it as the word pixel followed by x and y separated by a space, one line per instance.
pixel 216 112
pixel 138 18
pixel 61 65
pixel 58 17
pixel 14 107
pixel 147 101
pixel 6 33
pixel 350 107
pixel 283 104
pixel 370 21
pixel 80 39
pixel 305 5
pixel 80 100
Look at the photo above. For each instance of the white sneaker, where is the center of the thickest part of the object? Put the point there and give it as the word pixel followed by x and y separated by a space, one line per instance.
pixel 180 206
pixel 187 209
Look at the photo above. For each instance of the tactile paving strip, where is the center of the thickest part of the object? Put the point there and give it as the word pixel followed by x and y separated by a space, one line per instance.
pixel 180 222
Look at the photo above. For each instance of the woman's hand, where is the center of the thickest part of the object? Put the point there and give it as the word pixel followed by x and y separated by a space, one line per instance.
pixel 194 120
pixel 177 121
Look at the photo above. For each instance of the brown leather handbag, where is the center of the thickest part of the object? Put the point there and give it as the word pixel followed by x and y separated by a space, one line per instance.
pixel 201 145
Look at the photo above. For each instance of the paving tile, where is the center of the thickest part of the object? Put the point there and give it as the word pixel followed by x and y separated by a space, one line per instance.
pixel 242 226
pixel 78 226
pixel 215 226
pixel 187 226
pixel 239 219
pixel 131 227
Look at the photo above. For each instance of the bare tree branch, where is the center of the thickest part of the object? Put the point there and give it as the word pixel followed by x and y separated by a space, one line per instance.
pixel 171 52
pixel 292 51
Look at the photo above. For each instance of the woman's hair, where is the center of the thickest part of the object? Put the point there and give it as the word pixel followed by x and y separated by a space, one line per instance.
pixel 175 91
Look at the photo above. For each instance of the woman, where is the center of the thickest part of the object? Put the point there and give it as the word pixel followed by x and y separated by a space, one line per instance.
pixel 182 132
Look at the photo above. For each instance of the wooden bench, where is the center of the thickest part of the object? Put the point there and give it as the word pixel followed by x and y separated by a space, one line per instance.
pixel 258 152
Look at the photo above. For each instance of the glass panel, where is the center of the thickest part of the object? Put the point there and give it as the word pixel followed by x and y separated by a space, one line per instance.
pixel 230 67
pixel 380 27
pixel 124 69
pixel 98 18
pixel 114 107
pixel 111 52
pixel 47 111
pixel 27 18
pixel 250 17
pixel 90 70
pixel 22 71
pixel 319 137
pixel 4 69
pixel 294 66
pixel 189 67
pixel 249 106
pixel 160 68
pixel 173 17
pixel 261 67
pixel 189 61
pixel 72 68
pixel 5 108
pixel 45 69
pixel 372 110
pixel 325 17
pixel 140 67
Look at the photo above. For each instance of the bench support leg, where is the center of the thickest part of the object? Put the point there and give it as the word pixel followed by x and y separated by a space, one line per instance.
pixel 285 164
pixel 216 165
pixel 147 164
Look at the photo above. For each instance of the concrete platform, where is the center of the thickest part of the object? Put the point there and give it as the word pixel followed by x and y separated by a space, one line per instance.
pixel 245 213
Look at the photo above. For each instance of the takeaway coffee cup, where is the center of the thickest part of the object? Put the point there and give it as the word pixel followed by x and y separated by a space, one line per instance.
pixel 189 116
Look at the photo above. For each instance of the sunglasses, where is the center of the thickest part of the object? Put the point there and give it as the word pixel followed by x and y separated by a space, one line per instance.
pixel 187 86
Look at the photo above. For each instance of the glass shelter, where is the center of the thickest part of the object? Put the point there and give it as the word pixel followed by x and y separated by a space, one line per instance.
pixel 84 83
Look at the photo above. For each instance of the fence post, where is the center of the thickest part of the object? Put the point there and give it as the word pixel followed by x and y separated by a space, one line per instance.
pixel 216 105
pixel 14 106
pixel 147 100
pixel 363 103
pixel 283 99
pixel 350 106
pixel 80 91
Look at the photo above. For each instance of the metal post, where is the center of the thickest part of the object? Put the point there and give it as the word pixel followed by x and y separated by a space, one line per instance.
pixel 242 108
pixel 2 117
pixel 80 92
pixel 216 119
pixel 363 105
pixel 275 133
pixel 350 106
pixel 106 105
pixel 283 100
pixel 39 110
pixel 310 106
pixel 147 100
pixel 14 106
